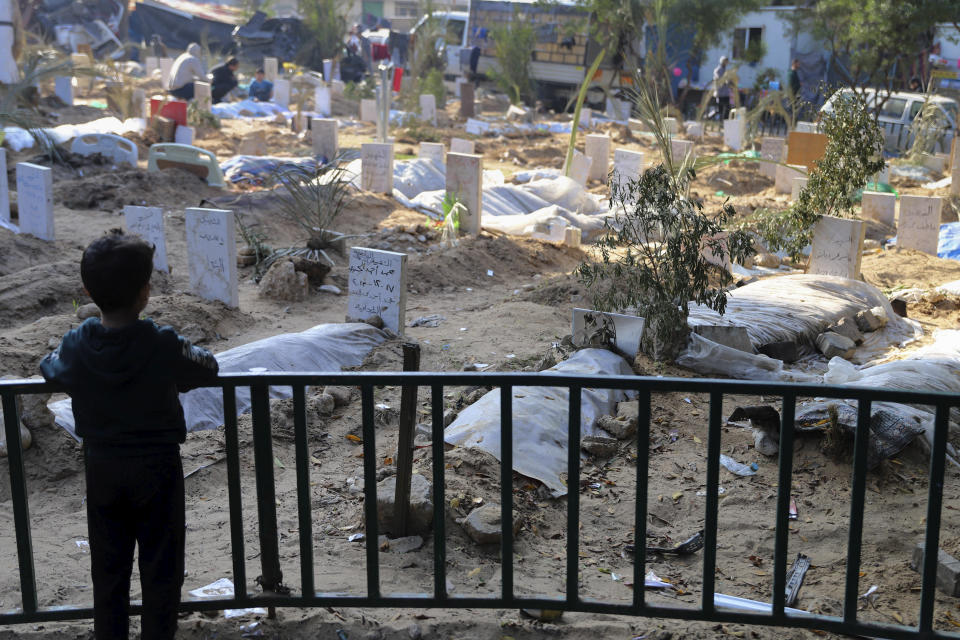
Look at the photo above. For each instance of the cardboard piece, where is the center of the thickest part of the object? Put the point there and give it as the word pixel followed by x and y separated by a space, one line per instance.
pixel 281 93
pixel 837 247
pixel 323 101
pixel 467 107
pixel 378 287
pixel 465 180
pixel 580 168
pixel 734 133
pixel 212 254
pixel 376 167
pixel 368 110
pixel 628 329
pixel 428 108
pixel 35 200
pixel 147 222
pixel 775 150
pixel 63 88
pixel 271 68
pixel 203 95
pixel 785 176
pixel 597 148
pixel 806 149
pixel 432 151
pixel 199 161
pixel 460 145
pixel 117 148
pixel 324 133
pixel 918 226
pixel 879 207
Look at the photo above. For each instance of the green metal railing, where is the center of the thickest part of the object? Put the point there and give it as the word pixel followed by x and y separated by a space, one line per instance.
pixel 271 577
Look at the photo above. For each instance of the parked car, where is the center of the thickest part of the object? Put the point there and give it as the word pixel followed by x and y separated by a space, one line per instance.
pixel 898 112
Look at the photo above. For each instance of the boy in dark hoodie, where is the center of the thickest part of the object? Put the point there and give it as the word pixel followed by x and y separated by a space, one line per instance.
pixel 123 375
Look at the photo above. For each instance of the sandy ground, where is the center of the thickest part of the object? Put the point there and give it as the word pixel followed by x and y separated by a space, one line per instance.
pixel 509 320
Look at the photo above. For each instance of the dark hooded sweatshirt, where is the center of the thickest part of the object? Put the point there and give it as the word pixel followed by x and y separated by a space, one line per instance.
pixel 124 384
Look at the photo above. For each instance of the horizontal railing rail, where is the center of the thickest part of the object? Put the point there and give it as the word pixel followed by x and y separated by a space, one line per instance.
pixel 274 593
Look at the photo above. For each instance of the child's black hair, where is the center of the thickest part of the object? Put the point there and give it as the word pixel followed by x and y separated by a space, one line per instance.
pixel 114 268
pixel 260 71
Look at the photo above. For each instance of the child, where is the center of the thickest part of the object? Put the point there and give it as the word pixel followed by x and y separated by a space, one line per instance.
pixel 123 375
pixel 261 90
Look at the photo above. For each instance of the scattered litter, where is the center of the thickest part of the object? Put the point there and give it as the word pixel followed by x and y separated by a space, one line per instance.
pixel 793 509
pixel 720 491
pixel 357 537
pixel 432 320
pixel 237 613
pixel 654 582
pixel 222 588
pixel 688 400
pixel 330 288
pixel 84 546
pixel 870 595
pixel 722 601
pixel 737 468
pixel 490 272
pixel 691 545
pixel 795 578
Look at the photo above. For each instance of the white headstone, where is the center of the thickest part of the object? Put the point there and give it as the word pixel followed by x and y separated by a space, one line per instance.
pixel 476 127
pixel 918 226
pixel 166 66
pixel 337 86
pixel 212 254
pixel 35 200
pixel 281 93
pixel 378 287
pixel 432 151
pixel 785 176
pixel 955 182
pixel 580 168
pixel 586 118
pixel 465 181
pixel 203 95
pixel 796 186
pixel 773 149
pixel 694 130
pixel 573 236
pixel 428 108
pixel 4 191
pixel 323 101
pixel 597 148
pixel 139 99
pixel 879 207
pixel 734 131
pixel 459 145
pixel 63 88
pixel 882 176
pixel 147 222
pixel 627 166
pixel 152 64
pixel 673 125
pixel 184 134
pixel 807 127
pixel 680 149
pixel 837 247
pixel 270 69
pixel 376 167
pixel 328 69
pixel 628 329
pixel 325 137
pixel 368 110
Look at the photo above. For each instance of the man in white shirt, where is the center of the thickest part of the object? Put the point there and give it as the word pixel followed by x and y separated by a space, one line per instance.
pixel 187 69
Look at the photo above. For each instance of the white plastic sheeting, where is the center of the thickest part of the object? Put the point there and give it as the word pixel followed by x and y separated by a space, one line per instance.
pixel 249 110
pixel 325 347
pixel 19 139
pixel 540 419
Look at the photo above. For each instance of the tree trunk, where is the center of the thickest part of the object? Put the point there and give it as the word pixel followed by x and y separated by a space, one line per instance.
pixel 665 332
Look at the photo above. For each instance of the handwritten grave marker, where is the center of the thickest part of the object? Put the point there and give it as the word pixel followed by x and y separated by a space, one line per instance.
pixel 796 186
pixel 459 145
pixel 323 101
pixel 203 95
pixel 325 137
pixel 281 93
pixel 378 286
pixel 465 180
pixel 772 149
pixel 785 176
pixel 734 131
pixel 376 167
pixel 918 226
pixel 627 166
pixel 212 254
pixel 270 68
pixel 879 207
pixel 432 151
pixel 63 88
pixel 368 110
pixel 597 148
pixel 35 200
pixel 428 108
pixel 147 222
pixel 837 247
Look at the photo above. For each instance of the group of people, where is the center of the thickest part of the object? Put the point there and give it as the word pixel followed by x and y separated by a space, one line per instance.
pixel 724 86
pixel 189 68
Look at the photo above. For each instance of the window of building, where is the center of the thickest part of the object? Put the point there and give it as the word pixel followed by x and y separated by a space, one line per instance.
pixel 747 39
pixel 406 10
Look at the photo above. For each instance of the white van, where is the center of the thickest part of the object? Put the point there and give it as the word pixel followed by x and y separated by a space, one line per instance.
pixel 899 111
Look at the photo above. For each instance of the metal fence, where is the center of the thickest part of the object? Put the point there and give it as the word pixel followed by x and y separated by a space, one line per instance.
pixel 270 579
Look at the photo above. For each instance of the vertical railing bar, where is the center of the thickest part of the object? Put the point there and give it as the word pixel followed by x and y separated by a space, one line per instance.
pixel 271 576
pixel 783 505
pixel 573 497
pixel 640 514
pixel 370 492
pixel 304 514
pixel 506 493
pixel 439 496
pixel 931 548
pixel 858 488
pixel 710 517
pixel 21 506
pixel 235 498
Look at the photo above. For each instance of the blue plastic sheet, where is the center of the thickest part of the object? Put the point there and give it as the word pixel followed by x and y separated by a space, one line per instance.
pixel 949 245
pixel 255 170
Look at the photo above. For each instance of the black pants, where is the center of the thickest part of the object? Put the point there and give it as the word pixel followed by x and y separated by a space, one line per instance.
pixel 723 107
pixel 135 501
pixel 183 93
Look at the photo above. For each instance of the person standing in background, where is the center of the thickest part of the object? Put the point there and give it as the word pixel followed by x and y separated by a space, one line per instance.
pixel 721 90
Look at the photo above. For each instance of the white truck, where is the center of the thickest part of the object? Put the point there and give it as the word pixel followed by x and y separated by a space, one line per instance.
pixel 562 53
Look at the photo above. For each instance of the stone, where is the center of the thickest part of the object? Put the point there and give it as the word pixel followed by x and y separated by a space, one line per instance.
pixel 420 516
pixel 63 89
pixel 627 330
pixel 316 271
pixel 832 344
pixel 368 110
pixel 414 632
pixel 281 93
pixel 323 101
pixel 899 307
pixel 948 570
pixel 796 186
pixel 837 247
pixel 147 222
pixel 88 311
pixel 599 446
pixel 733 337
pixel 573 236
pixel 765 443
pixel 341 395
pixel 166 66
pixel 465 180
pixel 432 151
pixel 326 403
pixel 376 167
pixel 597 148
pixel 484 524
pixel 847 326
pixel 378 286
pixel 784 175
pixel 428 108
pixel 918 226
pixel 324 136
pixel 212 254
pixel 203 95
pixel 867 321
pixel 773 150
pixel 627 166
pixel 283 282
pixel 619 427
pixel 35 200
pixel 580 168
pixel 879 207
pixel 270 68
pixel 734 132
pixel 766 260
pixel 467 107
pixel 461 145
pixel 449 415
pixel 679 149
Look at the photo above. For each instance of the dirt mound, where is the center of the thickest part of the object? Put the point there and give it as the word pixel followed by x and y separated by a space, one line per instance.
pixel 905 269
pixel 559 292
pixel 42 290
pixel 744 178
pixel 199 320
pixel 17 252
pixel 472 261
pixel 112 191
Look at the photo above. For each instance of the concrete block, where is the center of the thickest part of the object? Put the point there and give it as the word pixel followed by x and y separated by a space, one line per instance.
pixel 948 570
